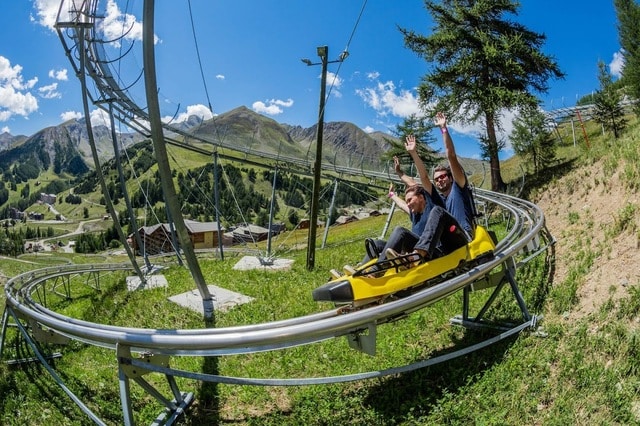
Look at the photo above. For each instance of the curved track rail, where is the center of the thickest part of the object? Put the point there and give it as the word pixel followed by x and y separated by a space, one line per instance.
pixel 26 297
pixel 79 26
pixel 25 292
pixel 81 29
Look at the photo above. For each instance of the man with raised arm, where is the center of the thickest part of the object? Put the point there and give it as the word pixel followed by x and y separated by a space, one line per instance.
pixel 450 228
pixel 449 211
pixel 418 202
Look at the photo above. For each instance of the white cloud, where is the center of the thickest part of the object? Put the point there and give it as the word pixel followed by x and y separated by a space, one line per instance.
pixel 369 129
pixel 272 106
pixel 5 129
pixel 374 75
pixel 506 121
pixel 15 98
pixel 50 91
pixel 288 103
pixel 7 72
pixel 334 83
pixel 99 118
pixel 140 125
pixel 70 115
pixel 47 12
pixel 477 128
pixel 59 75
pixel 198 110
pixel 117 24
pixel 220 77
pixel 385 99
pixel 263 108
pixel 114 25
pixel 13 75
pixel 617 64
pixel 30 83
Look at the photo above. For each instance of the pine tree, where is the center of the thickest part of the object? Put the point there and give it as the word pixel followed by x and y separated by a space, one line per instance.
pixel 608 109
pixel 628 13
pixel 531 138
pixel 483 63
pixel 417 126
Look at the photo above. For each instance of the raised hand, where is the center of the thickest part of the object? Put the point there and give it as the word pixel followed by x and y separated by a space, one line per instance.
pixel 396 165
pixel 410 143
pixel 440 120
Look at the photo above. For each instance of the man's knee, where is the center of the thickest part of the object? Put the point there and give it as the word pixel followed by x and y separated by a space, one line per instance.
pixel 437 213
pixel 398 230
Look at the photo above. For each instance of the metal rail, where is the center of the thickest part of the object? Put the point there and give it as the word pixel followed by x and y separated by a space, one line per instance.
pixel 26 301
pixel 26 307
pixel 527 224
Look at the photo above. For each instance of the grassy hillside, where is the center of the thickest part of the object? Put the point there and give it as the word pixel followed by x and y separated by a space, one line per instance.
pixel 581 367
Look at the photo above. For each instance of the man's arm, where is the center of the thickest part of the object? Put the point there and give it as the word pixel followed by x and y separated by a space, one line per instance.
pixel 410 145
pixel 408 180
pixel 456 168
pixel 398 200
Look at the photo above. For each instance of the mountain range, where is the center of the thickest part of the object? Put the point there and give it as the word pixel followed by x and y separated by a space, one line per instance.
pixel 67 144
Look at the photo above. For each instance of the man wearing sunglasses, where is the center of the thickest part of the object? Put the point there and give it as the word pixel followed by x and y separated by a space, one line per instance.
pixel 442 220
pixel 419 200
pixel 453 226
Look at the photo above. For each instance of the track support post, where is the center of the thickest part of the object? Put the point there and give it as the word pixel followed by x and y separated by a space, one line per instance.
pixel 127 371
pixel 364 341
pixel 497 280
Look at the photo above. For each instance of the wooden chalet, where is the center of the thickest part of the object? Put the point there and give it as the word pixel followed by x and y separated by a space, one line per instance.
pixel 157 239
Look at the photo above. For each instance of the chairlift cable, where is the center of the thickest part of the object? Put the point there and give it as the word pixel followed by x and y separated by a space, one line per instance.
pixel 195 42
pixel 346 49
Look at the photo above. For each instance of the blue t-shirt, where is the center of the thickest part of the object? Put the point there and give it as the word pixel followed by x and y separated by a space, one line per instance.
pixel 419 220
pixel 459 205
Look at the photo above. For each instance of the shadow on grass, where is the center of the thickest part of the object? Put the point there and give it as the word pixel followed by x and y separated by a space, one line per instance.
pixel 31 380
pixel 206 408
pixel 545 282
pixel 550 173
pixel 418 393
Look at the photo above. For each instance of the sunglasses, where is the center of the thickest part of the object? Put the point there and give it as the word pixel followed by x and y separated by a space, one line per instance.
pixel 440 177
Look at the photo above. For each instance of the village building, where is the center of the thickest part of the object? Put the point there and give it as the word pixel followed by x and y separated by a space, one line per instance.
pixel 305 223
pixel 36 216
pixel 48 198
pixel 15 214
pixel 248 234
pixel 341 220
pixel 156 239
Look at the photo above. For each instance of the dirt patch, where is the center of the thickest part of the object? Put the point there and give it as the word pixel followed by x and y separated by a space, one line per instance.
pixel 581 211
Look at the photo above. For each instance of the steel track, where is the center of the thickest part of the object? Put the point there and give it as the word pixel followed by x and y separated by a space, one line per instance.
pixel 81 26
pixel 23 295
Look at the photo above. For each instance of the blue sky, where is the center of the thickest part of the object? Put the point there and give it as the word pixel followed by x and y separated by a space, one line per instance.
pixel 251 51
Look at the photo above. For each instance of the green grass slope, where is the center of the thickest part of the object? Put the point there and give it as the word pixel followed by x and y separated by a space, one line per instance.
pixel 576 369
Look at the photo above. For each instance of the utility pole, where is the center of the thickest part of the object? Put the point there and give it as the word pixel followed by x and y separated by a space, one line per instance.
pixel 323 53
